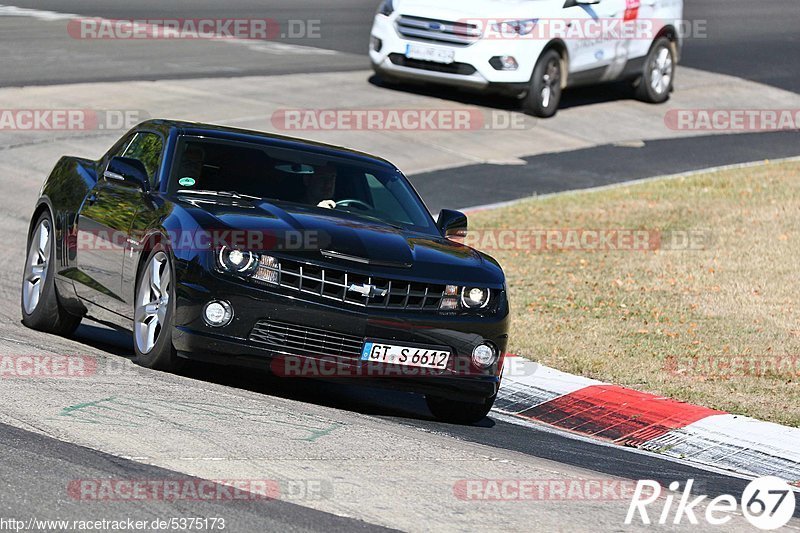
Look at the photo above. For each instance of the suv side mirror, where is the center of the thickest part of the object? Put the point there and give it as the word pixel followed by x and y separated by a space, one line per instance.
pixel 128 172
pixel 452 223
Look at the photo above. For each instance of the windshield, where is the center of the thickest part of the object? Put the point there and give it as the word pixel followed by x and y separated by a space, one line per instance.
pixel 301 180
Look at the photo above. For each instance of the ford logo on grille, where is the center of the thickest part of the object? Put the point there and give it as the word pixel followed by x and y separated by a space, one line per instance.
pixel 436 26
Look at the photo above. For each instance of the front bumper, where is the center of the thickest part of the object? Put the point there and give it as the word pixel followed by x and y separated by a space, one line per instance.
pixel 476 71
pixel 234 344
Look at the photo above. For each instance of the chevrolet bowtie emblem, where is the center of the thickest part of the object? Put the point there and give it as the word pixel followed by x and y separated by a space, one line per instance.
pixel 370 291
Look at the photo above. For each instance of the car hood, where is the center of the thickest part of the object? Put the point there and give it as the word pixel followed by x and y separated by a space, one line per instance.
pixel 311 234
pixel 484 9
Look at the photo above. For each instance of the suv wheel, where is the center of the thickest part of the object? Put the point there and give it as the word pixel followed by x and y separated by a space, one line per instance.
pixel 544 93
pixel 655 83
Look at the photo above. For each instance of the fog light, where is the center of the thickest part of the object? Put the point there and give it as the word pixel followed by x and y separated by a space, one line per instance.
pixel 375 43
pixel 484 355
pixel 504 63
pixel 218 314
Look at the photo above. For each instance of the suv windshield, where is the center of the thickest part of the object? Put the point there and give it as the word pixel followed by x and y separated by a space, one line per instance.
pixel 301 180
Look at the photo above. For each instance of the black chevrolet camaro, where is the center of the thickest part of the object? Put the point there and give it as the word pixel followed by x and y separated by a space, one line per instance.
pixel 244 248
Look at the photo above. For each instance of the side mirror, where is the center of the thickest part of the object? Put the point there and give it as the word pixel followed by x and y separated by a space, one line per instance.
pixel 452 223
pixel 128 172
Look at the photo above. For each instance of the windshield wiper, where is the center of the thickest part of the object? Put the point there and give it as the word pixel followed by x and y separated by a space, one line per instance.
pixel 226 194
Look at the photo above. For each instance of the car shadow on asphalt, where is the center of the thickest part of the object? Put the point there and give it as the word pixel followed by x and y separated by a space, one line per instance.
pixel 575 97
pixel 346 396
pixel 106 339
pixel 357 398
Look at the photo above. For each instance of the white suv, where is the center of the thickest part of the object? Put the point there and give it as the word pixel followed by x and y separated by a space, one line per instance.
pixel 532 49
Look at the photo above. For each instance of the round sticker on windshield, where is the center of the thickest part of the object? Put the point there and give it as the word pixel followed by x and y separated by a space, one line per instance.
pixel 296 168
pixel 186 182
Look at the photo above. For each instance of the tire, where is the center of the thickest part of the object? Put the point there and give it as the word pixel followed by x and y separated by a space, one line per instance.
pixel 39 303
pixel 153 311
pixel 456 412
pixel 544 94
pixel 655 84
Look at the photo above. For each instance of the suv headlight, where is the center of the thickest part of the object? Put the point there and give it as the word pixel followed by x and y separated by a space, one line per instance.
pixel 465 297
pixel 386 8
pixel 515 27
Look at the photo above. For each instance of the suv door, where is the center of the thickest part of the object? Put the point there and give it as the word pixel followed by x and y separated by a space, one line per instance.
pixel 104 223
pixel 595 53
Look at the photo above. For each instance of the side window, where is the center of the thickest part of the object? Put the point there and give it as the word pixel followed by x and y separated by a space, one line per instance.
pixel 147 148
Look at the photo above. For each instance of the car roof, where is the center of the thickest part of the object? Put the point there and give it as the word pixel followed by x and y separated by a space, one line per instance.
pixel 283 141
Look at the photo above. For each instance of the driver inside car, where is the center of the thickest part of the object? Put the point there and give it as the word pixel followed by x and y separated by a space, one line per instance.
pixel 320 187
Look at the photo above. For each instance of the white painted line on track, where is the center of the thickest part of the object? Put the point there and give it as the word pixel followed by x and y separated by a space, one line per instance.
pixel 14 11
pixel 264 47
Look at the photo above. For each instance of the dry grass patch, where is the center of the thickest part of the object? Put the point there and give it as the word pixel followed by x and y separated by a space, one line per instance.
pixel 669 321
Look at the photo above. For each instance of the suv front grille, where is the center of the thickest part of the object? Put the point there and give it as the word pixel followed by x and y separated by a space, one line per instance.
pixel 335 284
pixel 438 31
pixel 304 341
pixel 463 69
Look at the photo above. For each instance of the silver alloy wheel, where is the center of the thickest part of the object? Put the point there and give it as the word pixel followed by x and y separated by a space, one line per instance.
pixel 550 78
pixel 36 266
pixel 661 71
pixel 152 302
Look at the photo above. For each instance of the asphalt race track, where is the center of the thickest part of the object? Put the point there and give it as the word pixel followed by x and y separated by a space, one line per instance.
pixel 382 460
pixel 754 41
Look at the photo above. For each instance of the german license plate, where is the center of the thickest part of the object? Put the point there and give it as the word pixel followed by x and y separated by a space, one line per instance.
pixel 405 355
pixel 429 53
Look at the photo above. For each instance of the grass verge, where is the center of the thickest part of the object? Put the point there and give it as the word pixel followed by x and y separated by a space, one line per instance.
pixel 714 322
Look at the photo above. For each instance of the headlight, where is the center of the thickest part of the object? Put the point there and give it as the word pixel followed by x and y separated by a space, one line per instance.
pixel 236 261
pixel 248 264
pixel 474 297
pixel 465 297
pixel 515 27
pixel 386 8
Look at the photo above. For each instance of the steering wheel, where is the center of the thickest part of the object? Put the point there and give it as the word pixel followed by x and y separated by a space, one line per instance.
pixel 352 202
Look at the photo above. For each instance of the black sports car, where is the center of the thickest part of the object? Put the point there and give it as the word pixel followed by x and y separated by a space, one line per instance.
pixel 245 248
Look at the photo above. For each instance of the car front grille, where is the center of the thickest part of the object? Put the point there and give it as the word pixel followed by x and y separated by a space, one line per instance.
pixel 334 284
pixel 463 69
pixel 438 31
pixel 305 341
